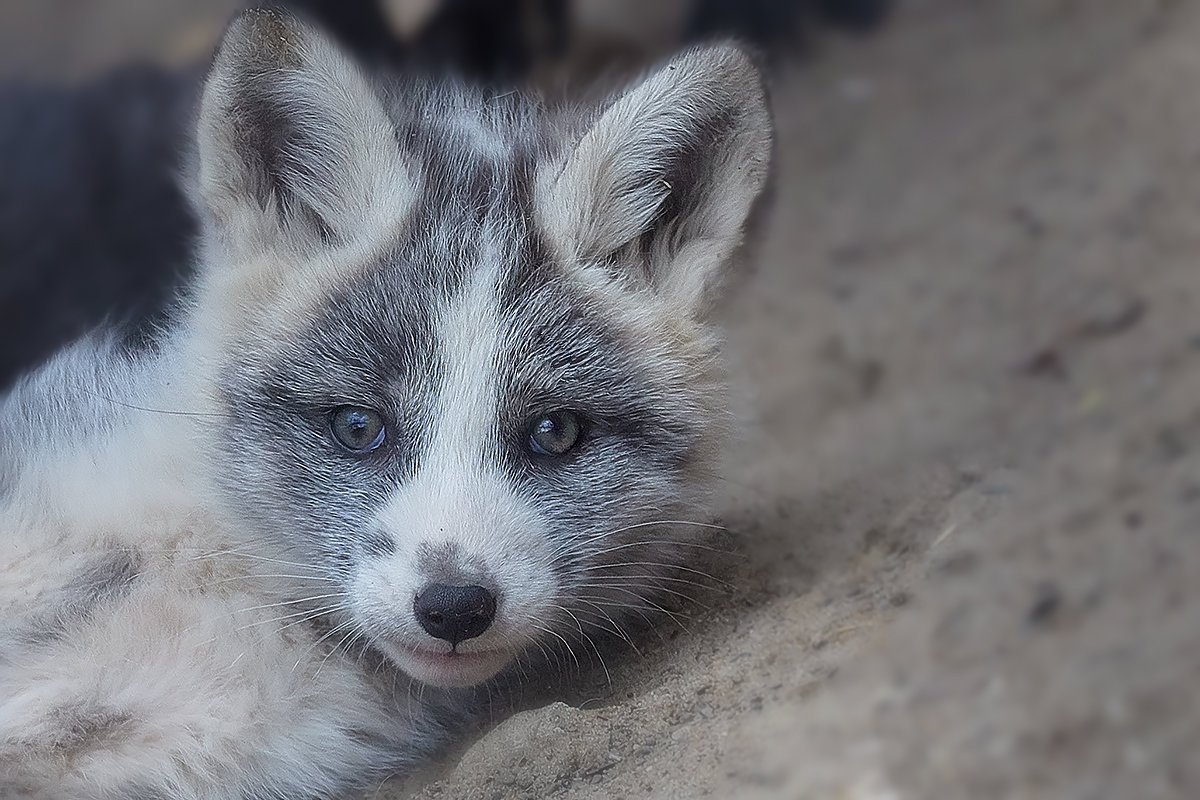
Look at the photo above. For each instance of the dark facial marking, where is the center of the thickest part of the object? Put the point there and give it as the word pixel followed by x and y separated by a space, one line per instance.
pixel 447 563
pixel 568 355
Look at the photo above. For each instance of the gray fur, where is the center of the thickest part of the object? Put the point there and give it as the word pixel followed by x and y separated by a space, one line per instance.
pixel 109 576
pixel 460 265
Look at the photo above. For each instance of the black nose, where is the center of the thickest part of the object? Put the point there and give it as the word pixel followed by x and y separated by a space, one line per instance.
pixel 454 613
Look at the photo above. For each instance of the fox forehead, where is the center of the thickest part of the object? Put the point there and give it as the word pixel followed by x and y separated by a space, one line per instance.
pixel 477 163
pixel 390 337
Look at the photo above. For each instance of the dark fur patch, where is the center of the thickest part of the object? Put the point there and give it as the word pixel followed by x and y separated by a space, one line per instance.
pixel 270 143
pixel 445 564
pixel 571 356
pixel 84 726
pixel 107 578
pixel 689 172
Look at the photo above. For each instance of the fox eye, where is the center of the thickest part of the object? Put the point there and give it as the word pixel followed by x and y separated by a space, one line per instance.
pixel 555 433
pixel 359 430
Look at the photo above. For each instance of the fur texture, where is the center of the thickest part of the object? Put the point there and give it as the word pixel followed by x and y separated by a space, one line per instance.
pixel 207 592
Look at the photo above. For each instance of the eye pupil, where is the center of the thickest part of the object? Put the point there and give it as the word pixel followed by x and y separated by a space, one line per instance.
pixel 555 433
pixel 359 430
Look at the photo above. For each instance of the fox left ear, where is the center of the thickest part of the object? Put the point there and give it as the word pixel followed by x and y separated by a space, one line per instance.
pixel 295 149
pixel 667 175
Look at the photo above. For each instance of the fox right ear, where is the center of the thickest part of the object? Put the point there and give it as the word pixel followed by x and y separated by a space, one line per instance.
pixel 295 149
pixel 666 175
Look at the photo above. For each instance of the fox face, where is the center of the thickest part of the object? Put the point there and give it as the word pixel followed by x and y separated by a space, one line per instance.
pixel 468 390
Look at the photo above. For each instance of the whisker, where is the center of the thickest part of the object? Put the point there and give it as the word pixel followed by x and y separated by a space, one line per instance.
pixel 659 564
pixel 617 629
pixel 672 615
pixel 256 557
pixel 293 602
pixel 615 578
pixel 134 407
pixel 571 546
pixel 709 525
pixel 547 652
pixel 596 602
pixel 253 576
pixel 336 648
pixel 570 650
pixel 606 535
pixel 666 542
pixel 316 615
pixel 306 614
pixel 346 623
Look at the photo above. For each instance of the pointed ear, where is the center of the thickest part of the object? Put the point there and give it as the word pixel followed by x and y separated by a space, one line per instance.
pixel 295 150
pixel 667 175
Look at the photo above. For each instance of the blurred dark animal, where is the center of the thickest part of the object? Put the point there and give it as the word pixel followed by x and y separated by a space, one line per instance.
pixel 768 22
pixel 493 42
pixel 93 222
pixel 498 41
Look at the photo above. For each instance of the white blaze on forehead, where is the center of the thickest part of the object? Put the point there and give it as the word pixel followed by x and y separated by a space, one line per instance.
pixel 463 422
pixel 460 502
pixel 469 337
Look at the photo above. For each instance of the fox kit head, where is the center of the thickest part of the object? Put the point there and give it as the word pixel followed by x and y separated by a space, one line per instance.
pixel 460 342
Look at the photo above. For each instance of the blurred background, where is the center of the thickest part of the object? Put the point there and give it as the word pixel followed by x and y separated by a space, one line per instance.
pixel 965 344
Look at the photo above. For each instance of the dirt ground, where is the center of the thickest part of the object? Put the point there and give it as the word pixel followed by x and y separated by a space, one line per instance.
pixel 966 507
pixel 970 504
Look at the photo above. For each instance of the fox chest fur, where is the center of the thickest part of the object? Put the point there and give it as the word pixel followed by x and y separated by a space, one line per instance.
pixel 443 398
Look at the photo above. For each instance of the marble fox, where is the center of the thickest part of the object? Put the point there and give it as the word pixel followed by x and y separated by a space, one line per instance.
pixel 443 395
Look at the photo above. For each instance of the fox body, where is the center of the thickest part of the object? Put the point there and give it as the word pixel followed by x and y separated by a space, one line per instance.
pixel 442 396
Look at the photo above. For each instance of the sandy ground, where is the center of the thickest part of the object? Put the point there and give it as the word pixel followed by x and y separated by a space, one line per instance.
pixel 971 508
pixel 966 511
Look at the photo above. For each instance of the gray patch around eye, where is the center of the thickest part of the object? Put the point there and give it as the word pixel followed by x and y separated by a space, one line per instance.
pixel 109 577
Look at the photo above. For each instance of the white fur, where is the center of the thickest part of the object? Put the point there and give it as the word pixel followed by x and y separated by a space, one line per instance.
pixel 193 665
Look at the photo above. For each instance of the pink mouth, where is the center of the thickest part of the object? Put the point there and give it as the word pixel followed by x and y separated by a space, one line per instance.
pixel 450 668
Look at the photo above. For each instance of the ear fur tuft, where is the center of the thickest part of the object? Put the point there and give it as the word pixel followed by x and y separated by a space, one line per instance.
pixel 666 175
pixel 294 147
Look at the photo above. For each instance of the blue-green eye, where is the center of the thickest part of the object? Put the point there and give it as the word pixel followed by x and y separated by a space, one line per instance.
pixel 359 430
pixel 555 433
